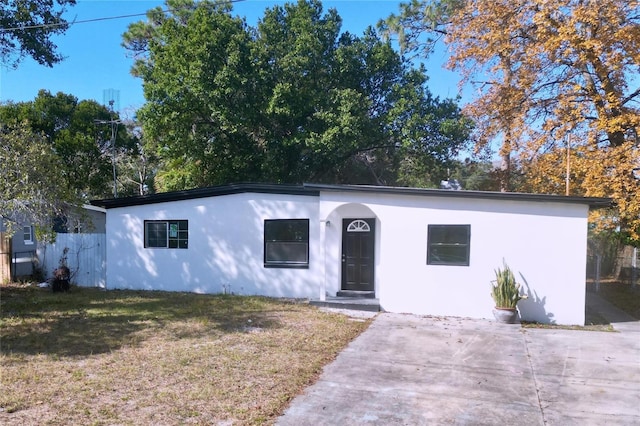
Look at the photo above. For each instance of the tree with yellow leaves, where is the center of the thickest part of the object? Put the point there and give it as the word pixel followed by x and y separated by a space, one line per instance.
pixel 552 79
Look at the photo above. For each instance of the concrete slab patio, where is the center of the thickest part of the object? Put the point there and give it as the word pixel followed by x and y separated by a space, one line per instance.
pixel 410 370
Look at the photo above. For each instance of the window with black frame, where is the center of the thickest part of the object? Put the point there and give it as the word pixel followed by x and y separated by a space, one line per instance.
pixel 166 234
pixel 286 243
pixel 448 245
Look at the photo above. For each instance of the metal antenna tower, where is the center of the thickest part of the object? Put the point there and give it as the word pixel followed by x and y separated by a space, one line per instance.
pixel 111 99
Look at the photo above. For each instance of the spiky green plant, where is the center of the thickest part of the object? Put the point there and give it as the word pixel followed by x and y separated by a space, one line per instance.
pixel 505 291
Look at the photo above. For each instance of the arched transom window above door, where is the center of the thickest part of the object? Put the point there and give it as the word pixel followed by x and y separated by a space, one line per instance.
pixel 358 225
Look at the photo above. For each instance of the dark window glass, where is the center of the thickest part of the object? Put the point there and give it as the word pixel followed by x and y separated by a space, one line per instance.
pixel 448 245
pixel 286 243
pixel 166 234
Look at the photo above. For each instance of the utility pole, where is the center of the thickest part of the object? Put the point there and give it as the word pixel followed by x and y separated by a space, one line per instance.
pixel 114 132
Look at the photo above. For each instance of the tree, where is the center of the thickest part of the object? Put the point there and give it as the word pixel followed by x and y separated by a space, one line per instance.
pixel 26 27
pixel 32 187
pixel 73 130
pixel 550 75
pixel 136 165
pixel 290 100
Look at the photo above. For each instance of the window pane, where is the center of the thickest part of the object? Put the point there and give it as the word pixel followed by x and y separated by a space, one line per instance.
pixel 449 234
pixel 287 230
pixel 287 252
pixel 156 233
pixel 448 254
pixel 178 234
pixel 27 230
pixel 166 234
pixel 448 245
pixel 173 230
pixel 286 242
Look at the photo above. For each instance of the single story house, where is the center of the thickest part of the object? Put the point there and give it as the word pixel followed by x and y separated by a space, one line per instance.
pixel 421 251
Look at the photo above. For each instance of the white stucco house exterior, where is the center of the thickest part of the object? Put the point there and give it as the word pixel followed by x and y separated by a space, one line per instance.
pixel 420 251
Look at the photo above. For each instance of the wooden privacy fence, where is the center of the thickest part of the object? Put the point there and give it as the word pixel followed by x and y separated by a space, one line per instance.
pixel 5 258
pixel 85 256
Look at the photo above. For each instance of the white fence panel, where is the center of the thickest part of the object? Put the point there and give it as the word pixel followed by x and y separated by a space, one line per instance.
pixel 85 257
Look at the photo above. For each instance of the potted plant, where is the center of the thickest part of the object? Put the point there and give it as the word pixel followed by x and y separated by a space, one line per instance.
pixel 506 294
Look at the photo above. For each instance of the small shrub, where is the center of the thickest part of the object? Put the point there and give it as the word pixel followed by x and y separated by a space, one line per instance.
pixel 505 290
pixel 61 279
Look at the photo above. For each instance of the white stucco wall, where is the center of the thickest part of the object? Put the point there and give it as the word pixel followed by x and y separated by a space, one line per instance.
pixel 225 247
pixel 543 243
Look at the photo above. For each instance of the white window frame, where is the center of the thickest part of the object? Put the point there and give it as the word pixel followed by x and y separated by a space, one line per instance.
pixel 27 233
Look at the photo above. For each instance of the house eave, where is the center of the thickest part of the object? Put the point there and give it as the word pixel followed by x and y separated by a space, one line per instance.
pixel 312 189
pixel 593 202
pixel 213 191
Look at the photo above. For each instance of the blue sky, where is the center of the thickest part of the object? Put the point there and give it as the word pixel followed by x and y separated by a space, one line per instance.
pixel 95 61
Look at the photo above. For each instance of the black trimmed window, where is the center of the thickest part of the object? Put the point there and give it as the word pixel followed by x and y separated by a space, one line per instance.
pixel 448 245
pixel 166 234
pixel 286 243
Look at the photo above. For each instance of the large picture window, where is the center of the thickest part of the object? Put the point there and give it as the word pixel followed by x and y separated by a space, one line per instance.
pixel 286 243
pixel 166 234
pixel 448 245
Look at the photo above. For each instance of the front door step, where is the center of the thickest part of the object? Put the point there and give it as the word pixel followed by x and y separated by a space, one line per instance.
pixel 356 294
pixel 351 303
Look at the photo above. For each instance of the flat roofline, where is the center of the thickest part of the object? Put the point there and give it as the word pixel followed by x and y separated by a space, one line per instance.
pixel 212 191
pixel 312 189
pixel 596 202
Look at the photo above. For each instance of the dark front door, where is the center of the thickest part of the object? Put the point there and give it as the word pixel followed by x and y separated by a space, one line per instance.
pixel 358 237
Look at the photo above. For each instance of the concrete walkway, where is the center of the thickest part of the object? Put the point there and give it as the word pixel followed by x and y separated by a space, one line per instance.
pixel 410 370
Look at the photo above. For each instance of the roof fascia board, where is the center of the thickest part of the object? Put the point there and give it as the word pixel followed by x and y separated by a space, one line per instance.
pixel 213 191
pixel 426 192
pixel 309 189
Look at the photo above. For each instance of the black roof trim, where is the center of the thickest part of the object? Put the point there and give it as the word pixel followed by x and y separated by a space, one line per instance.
pixel 311 189
pixel 519 196
pixel 212 191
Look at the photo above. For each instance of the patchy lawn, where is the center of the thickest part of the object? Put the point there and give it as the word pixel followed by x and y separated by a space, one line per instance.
pixel 589 326
pixel 129 357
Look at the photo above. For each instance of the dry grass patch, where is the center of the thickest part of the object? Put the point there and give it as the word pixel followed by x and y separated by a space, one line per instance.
pixel 126 357
pixel 587 327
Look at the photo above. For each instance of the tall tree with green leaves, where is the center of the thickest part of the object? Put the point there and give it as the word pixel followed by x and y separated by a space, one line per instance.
pixel 293 99
pixel 80 134
pixel 32 187
pixel 26 27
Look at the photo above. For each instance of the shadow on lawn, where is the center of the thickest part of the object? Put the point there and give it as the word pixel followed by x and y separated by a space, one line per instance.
pixel 91 321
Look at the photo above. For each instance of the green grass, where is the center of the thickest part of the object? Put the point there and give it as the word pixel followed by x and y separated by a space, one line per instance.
pixel 127 357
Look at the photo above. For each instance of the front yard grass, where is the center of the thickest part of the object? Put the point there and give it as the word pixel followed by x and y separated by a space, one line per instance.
pixel 146 357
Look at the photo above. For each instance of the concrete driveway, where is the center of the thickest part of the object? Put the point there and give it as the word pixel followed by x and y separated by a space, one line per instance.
pixel 410 370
